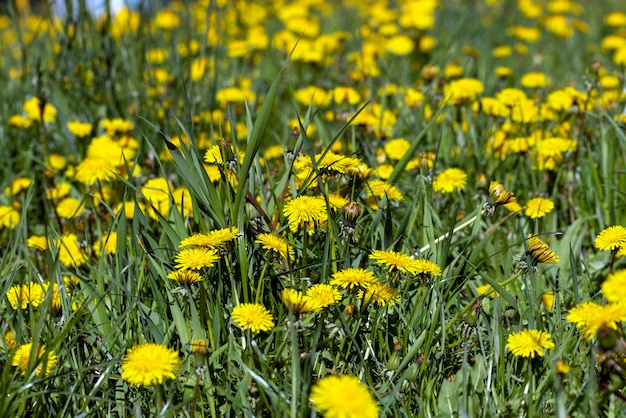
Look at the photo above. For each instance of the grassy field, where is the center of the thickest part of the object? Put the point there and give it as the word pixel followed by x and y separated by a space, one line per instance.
pixel 286 208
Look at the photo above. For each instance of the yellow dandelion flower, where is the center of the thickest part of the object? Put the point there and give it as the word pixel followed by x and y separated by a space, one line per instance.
pixel 379 189
pixel 116 126
pixel 323 295
pixel 611 238
pixel 529 342
pixel 487 288
pixel 195 258
pixel 93 169
pixel 380 294
pixel 297 302
pixel 33 109
pixel 538 207
pixel 396 148
pixel 393 260
pixel 45 359
pixel 463 90
pixel 79 129
pixel 562 367
pixel 343 397
pixel 9 340
pixel 252 316
pixel 68 250
pixel 353 277
pixel 9 217
pixel 150 364
pixel 540 252
pixel 69 208
pixel 422 266
pixel 590 317
pixel 305 211
pixel 59 191
pixel 614 287
pixel 38 242
pixel 106 245
pixel 450 180
pixel 17 185
pixel 533 80
pixel 213 239
pixel 276 243
pixel 547 300
pixel 185 277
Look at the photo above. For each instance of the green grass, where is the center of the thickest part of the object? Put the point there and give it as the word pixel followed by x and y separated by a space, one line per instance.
pixel 441 350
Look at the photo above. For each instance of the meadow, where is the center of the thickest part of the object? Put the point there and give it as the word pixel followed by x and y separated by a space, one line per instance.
pixel 284 208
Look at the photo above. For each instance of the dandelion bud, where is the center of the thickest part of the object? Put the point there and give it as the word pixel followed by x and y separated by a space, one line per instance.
pixel 199 347
pixel 414 372
pixel 394 362
pixel 607 338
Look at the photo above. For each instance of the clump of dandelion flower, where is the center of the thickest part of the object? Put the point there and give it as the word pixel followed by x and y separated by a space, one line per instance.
pixel 150 364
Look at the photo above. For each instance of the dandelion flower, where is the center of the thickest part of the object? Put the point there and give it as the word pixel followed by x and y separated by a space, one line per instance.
pixel 421 266
pixel 185 277
pixel 69 251
pixel 540 252
pixel 393 260
pixel 343 397
pixel 213 239
pixel 21 359
pixel 396 148
pixel 611 238
pixel 562 367
pixel 93 169
pixel 297 302
pixel 106 245
pixel 538 207
pixel 351 277
pixel 69 208
pixel 380 294
pixel 379 189
pixel 149 364
pixel 323 295
pixel 17 185
pixel 614 287
pixel 195 258
pixel 529 342
pixel 252 316
pixel 275 243
pixel 590 317
pixel 79 129
pixel 305 210
pixel 9 217
pixel 450 180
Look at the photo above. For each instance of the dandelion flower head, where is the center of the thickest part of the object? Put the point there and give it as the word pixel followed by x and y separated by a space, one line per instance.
pixel 529 343
pixel 149 364
pixel 611 238
pixel 343 397
pixel 252 316
pixel 21 359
